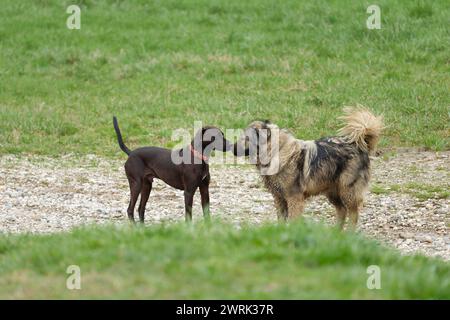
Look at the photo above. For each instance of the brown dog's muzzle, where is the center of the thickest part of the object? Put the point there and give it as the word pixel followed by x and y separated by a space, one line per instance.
pixel 227 145
pixel 239 150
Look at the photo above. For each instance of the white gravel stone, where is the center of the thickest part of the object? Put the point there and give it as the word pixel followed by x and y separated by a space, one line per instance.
pixel 41 195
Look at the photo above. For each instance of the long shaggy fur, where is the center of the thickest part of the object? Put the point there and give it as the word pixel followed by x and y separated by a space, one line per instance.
pixel 361 128
pixel 337 167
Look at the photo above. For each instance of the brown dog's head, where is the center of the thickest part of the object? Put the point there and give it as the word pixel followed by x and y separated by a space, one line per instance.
pixel 210 138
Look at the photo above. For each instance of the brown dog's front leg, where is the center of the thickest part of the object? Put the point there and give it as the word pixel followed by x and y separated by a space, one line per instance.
pixel 204 193
pixel 145 193
pixel 188 199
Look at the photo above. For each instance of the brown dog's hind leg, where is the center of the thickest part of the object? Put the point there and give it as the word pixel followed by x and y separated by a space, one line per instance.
pixel 135 189
pixel 145 194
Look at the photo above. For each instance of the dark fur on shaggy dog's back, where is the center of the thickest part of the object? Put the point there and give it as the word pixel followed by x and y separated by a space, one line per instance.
pixel 338 167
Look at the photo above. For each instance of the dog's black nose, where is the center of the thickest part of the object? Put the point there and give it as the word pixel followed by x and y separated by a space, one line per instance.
pixel 228 145
pixel 239 150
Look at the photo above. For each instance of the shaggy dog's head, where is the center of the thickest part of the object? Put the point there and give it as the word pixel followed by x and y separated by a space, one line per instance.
pixel 257 142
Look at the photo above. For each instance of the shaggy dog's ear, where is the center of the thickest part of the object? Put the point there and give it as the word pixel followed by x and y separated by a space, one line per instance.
pixel 261 128
pixel 266 128
pixel 264 132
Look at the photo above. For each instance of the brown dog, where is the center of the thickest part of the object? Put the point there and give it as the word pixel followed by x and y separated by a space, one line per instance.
pixel 338 167
pixel 184 169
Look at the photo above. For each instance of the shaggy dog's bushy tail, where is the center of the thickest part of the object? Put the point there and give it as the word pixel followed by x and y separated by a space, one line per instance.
pixel 362 127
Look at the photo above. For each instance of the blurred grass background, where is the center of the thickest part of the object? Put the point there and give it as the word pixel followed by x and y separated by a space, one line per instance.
pixel 161 65
pixel 296 261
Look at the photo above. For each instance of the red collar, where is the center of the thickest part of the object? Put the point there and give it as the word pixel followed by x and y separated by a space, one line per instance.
pixel 197 154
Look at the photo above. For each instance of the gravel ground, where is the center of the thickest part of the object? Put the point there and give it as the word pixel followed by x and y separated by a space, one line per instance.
pixel 40 195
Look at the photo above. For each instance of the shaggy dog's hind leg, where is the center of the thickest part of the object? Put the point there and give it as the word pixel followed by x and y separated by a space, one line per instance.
pixel 341 214
pixel 341 210
pixel 353 202
pixel 353 210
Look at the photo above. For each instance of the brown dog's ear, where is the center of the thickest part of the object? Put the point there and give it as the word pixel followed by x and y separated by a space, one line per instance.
pixel 201 133
pixel 210 133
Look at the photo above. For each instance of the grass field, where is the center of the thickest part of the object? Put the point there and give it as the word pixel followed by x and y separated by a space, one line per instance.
pixel 274 261
pixel 161 65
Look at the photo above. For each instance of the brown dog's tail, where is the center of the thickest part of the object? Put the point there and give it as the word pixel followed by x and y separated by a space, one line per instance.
pixel 362 127
pixel 119 137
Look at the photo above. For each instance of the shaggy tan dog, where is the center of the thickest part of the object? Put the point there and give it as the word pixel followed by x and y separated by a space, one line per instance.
pixel 293 170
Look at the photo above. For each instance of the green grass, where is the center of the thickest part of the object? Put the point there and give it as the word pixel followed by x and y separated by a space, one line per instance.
pixel 300 260
pixel 421 191
pixel 426 191
pixel 161 65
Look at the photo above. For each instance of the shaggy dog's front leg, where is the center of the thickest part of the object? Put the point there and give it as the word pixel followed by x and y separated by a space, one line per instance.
pixel 295 204
pixel 282 208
